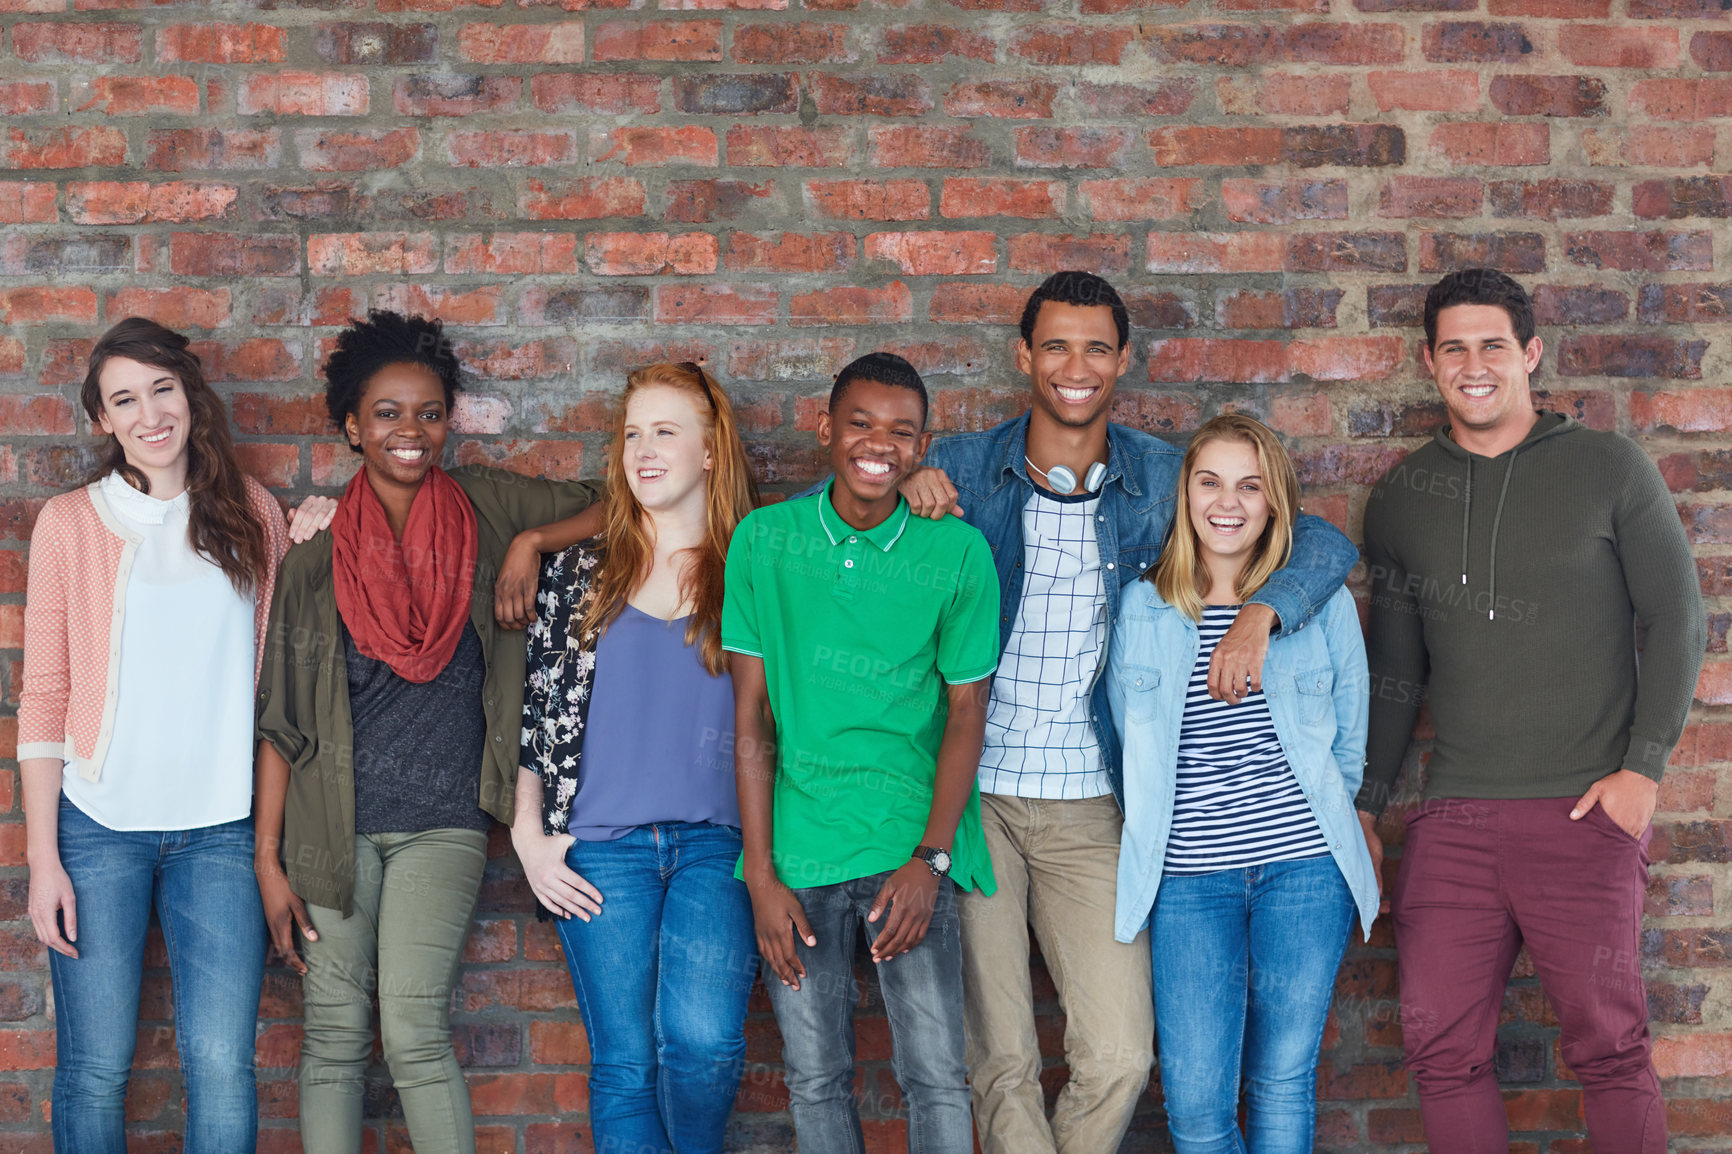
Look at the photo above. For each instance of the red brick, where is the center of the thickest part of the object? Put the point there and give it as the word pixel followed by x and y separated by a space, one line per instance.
pixel 884 94
pixel 1073 147
pixel 1431 196
pixel 202 149
pixel 1452 90
pixel 454 94
pixel 1001 99
pixel 650 253
pixel 1712 51
pixel 1131 200
pixel 790 146
pixel 1565 9
pixel 1652 251
pixel 1685 196
pixel 500 149
pixel 1650 146
pixel 38 305
pixel 927 147
pixel 517 360
pixel 356 151
pixel 38 415
pixel 1335 42
pixel 1550 199
pixel 783 43
pixel 138 202
pixel 851 305
pixel 559 42
pixel 26 97
pixel 84 41
pixel 647 145
pixel 930 44
pixel 591 198
pixel 870 199
pixel 512 253
pixel 1497 144
pixel 1237 45
pixel 1563 96
pixel 222 44
pixel 1195 252
pixel 137 95
pixel 1161 98
pixel 736 94
pixel 455 306
pixel 658 40
pixel 1105 254
pixel 700 201
pixel 27 202
pixel 1028 199
pixel 230 255
pixel 790 252
pixel 1476 42
pixel 1347 358
pixel 1709 98
pixel 1511 252
pixel 1206 359
pixel 1630 356
pixel 1284 94
pixel 371 253
pixel 613 94
pixel 1611 46
pixel 935 253
pixel 715 304
pixel 1071 45
pixel 302 94
pixel 375 42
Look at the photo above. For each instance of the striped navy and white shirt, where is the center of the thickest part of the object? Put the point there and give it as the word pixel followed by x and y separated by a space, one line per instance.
pixel 1237 803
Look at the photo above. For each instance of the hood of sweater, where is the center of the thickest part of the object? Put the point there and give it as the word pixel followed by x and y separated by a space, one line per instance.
pixel 1549 425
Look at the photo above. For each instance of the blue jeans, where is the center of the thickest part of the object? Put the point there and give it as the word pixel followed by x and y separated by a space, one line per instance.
pixel 207 900
pixel 1244 969
pixel 662 975
pixel 923 999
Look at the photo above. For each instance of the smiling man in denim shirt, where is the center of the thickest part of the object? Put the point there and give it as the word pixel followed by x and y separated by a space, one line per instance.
pixel 1074 508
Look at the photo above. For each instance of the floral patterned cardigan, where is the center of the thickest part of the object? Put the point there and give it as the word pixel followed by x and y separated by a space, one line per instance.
pixel 561 668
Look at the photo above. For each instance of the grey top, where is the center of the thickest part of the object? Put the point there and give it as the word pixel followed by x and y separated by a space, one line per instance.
pixel 418 748
pixel 659 745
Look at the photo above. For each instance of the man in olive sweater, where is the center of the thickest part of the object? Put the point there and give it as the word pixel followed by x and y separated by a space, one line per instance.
pixel 1512 559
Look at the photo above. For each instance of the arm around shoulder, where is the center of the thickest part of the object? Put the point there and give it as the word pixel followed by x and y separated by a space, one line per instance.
pixel 1318 565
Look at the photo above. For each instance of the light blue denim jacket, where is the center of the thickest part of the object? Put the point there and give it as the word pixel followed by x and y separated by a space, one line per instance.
pixel 1319 697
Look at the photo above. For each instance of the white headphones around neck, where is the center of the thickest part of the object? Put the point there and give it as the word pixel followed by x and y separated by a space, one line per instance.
pixel 1062 480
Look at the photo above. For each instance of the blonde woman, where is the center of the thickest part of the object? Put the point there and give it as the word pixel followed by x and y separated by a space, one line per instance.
pixel 627 820
pixel 1241 848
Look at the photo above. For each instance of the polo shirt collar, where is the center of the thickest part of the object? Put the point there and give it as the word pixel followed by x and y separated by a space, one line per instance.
pixel 884 534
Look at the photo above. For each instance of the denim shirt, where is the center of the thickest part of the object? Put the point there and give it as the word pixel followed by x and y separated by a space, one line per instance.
pixel 990 473
pixel 1318 691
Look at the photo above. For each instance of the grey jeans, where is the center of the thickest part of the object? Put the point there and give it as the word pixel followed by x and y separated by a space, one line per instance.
pixel 414 895
pixel 923 998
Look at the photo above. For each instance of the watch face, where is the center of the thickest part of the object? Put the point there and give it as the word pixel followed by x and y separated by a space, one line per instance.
pixel 941 861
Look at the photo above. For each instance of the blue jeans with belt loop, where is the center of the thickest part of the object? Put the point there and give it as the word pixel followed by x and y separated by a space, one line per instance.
pixel 207 899
pixel 662 975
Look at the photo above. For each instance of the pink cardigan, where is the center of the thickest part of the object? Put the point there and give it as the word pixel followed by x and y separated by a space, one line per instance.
pixel 80 558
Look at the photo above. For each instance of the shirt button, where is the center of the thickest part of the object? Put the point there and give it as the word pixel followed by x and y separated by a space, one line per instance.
pixel 848 564
pixel 1100 517
pixel 498 738
pixel 853 540
pixel 1109 564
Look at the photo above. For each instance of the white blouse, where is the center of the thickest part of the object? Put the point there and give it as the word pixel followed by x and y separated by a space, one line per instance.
pixel 182 753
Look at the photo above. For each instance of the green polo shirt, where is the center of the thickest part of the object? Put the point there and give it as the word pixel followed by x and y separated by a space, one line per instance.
pixel 860 632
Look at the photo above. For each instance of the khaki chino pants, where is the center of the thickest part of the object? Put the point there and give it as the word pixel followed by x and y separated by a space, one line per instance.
pixel 1056 864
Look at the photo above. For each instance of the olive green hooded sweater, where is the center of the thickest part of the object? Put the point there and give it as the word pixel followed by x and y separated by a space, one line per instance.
pixel 1506 591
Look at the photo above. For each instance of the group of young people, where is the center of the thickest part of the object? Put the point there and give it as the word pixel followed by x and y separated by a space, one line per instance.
pixel 1058 675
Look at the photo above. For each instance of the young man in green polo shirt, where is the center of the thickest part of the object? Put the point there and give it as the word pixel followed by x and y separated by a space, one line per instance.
pixel 863 640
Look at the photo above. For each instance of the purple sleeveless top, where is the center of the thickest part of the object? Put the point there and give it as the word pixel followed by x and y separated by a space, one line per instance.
pixel 659 744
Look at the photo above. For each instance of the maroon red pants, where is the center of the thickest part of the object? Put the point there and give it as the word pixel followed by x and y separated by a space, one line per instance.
pixel 1478 879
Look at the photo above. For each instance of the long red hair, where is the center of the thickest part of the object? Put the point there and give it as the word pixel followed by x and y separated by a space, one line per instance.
pixel 730 495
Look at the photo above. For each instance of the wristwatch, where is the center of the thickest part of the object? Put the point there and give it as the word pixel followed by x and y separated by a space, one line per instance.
pixel 937 859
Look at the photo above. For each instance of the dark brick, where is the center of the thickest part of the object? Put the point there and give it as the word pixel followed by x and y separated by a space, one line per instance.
pixel 1351 145
pixel 1630 355
pixel 1475 42
pixel 1712 51
pixel 1683 196
pixel 1679 1005
pixel 1684 304
pixel 1510 252
pixel 1521 1060
pixel 1579 305
pixel 744 94
pixel 1389 419
pixel 1551 199
pixel 702 201
pixel 376 43
pixel 1549 96
pixel 1395 305
pixel 1347 252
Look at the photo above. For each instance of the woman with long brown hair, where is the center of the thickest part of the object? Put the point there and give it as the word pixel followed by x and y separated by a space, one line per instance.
pixel 150 589
pixel 627 820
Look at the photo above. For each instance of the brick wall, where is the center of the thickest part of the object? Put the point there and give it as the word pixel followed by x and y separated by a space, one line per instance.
pixel 579 186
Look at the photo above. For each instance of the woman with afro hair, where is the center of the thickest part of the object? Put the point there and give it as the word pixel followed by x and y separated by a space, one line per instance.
pixel 389 716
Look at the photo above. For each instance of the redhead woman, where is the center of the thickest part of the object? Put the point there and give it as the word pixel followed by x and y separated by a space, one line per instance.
pixel 144 622
pixel 627 820
pixel 389 710
pixel 1241 849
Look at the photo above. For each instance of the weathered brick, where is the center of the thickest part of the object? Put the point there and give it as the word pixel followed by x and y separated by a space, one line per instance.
pixel 376 43
pixel 650 253
pixel 1073 45
pixel 932 44
pixel 1651 251
pixel 501 149
pixel 201 149
pixel 785 43
pixel 513 254
pixel 1128 199
pixel 1431 196
pixel 1105 254
pixel 1510 252
pixel 702 201
pixel 454 94
pixel 1499 144
pixel 1285 94
pixel 1682 197
pixel 658 40
pixel 356 151
pixel 1005 99
pixel 595 92
pixel 793 147
pixel 932 253
pixel 302 94
pixel 27 202
pixel 1610 46
pixel 591 198
pixel 1650 146
pixel 1580 304
pixel 1189 252
pixel 231 255
pixel 136 95
pixel 1565 96
pixel 825 252
pixel 849 305
pixel 870 199
pixel 26 97
pixel 369 253
pixel 885 94
pixel 745 94
pixel 1476 42
pixel 715 304
pixel 902 146
pixel 1552 199
pixel 559 42
pixel 1283 202
pixel 84 41
pixel 654 146
pixel 1630 355
pixel 1073 147
pixel 1347 252
pixel 222 44
pixel 1028 199
pixel 1443 90
pixel 1712 51
pixel 139 202
pixel 1708 98
pixel 1159 98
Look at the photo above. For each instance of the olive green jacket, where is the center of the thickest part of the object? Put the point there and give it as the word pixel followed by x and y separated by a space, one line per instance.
pixel 303 702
